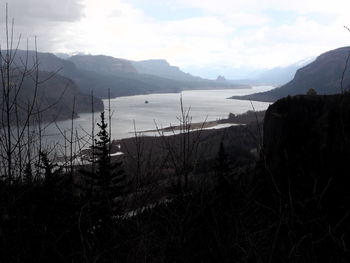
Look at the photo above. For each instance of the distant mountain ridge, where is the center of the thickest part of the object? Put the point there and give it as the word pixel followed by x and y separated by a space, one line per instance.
pixel 281 75
pixel 103 64
pixel 102 73
pixel 134 78
pixel 111 65
pixel 51 99
pixel 161 68
pixel 323 75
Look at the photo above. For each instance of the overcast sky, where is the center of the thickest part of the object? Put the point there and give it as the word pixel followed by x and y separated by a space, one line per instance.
pixel 201 33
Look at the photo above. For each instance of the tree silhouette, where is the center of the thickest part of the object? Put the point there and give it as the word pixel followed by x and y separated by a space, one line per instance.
pixel 108 182
pixel 311 92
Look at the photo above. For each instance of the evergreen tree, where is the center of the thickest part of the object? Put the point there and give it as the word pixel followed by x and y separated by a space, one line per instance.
pixel 108 183
pixel 104 187
pixel 50 171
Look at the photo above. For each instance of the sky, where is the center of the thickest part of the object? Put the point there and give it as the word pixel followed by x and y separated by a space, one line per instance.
pixel 192 34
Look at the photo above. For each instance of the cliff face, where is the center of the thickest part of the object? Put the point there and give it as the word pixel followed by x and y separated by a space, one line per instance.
pixel 306 153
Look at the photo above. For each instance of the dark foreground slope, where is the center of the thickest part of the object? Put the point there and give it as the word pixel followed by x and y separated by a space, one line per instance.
pixel 324 75
pixel 305 164
pixel 293 206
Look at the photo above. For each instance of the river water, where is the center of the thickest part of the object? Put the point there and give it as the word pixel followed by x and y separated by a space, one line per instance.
pixel 147 111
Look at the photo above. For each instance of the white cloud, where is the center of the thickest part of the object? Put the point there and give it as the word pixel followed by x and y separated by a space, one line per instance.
pixel 41 11
pixel 230 33
pixel 197 26
pixel 246 19
pixel 253 6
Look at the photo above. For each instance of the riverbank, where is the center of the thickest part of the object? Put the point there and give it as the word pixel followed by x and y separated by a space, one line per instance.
pixel 232 120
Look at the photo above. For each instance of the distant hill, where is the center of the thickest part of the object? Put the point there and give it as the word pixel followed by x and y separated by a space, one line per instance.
pixel 221 79
pixel 120 76
pixel 57 93
pixel 63 80
pixel 281 75
pixel 53 99
pixel 161 68
pixel 125 78
pixel 323 75
pixel 230 72
pixel 276 76
pixel 88 77
pixel 102 64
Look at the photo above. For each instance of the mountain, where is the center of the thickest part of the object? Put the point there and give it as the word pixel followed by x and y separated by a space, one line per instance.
pixel 161 68
pixel 221 79
pixel 125 78
pixel 56 94
pixel 63 80
pixel 103 73
pixel 253 76
pixel 89 78
pixel 323 75
pixel 46 62
pixel 281 75
pixel 102 64
pixel 51 99
pixel 230 72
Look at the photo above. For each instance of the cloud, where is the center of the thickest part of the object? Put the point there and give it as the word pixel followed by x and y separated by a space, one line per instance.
pixel 44 19
pixel 41 11
pixel 258 6
pixel 240 33
pixel 197 26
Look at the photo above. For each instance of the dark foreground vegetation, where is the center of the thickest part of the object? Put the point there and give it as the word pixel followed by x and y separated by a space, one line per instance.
pixel 195 197
pixel 276 191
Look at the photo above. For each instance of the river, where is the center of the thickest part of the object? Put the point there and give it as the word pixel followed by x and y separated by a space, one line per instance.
pixel 162 109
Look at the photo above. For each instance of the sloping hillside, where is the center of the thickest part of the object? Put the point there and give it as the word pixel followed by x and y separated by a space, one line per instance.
pixel 102 64
pixel 50 100
pixel 323 75
pixel 103 73
pixel 161 68
pixel 125 77
pixel 99 78
pixel 281 75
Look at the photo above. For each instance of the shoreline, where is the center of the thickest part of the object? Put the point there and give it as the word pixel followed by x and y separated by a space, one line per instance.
pixel 240 119
pixel 191 127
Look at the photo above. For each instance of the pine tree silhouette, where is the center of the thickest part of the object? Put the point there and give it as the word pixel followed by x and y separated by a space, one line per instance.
pixel 108 183
pixel 104 188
